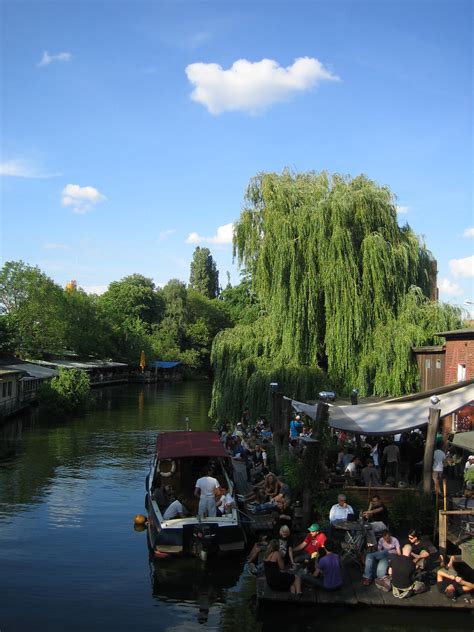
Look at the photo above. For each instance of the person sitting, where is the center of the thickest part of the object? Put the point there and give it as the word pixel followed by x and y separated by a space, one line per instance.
pixel 423 552
pixel 225 501
pixel 177 509
pixel 311 544
pixel 327 569
pixel 263 491
pixel 402 571
pixel 376 514
pixel 258 549
pixel 275 575
pixel 340 511
pixel 370 475
pixel 286 550
pixel 452 586
pixel 378 561
pixel 277 503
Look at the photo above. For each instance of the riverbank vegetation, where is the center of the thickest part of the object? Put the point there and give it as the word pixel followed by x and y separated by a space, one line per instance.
pixel 69 391
pixel 176 322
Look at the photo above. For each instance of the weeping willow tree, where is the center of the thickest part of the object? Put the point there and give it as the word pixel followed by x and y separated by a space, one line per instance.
pixel 341 286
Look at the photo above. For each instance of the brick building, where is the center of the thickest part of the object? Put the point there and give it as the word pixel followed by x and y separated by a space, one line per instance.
pixel 448 364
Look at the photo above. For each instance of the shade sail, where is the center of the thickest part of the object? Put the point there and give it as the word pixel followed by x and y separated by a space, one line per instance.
pixel 464 440
pixel 392 416
pixel 178 445
pixel 161 364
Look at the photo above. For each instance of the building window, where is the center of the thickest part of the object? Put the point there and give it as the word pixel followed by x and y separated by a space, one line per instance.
pixel 4 389
pixel 427 363
pixel 9 389
pixel 438 364
pixel 461 372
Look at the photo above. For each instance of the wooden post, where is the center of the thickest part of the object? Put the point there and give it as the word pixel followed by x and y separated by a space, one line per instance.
pixel 433 422
pixel 279 423
pixel 443 533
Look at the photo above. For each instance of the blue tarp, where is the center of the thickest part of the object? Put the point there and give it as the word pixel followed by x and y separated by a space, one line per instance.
pixel 159 364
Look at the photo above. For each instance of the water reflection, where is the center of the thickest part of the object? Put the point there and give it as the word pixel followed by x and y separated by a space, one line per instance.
pixel 69 489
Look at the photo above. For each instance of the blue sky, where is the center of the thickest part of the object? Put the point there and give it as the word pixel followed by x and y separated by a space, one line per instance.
pixel 130 130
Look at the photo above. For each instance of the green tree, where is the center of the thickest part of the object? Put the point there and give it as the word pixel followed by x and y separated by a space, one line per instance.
pixel 334 274
pixel 34 309
pixel 204 276
pixel 134 296
pixel 69 391
pixel 86 332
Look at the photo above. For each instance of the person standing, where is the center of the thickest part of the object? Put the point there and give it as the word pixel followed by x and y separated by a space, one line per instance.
pixel 438 467
pixel 205 490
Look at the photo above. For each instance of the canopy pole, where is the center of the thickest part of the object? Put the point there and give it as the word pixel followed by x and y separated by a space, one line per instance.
pixel 433 422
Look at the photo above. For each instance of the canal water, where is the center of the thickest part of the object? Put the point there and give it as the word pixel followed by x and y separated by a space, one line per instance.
pixel 70 558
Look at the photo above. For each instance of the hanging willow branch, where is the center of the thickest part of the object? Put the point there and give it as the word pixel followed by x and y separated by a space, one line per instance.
pixel 342 286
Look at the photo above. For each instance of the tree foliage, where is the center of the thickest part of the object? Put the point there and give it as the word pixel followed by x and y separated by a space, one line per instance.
pixel 204 276
pixel 69 391
pixel 341 286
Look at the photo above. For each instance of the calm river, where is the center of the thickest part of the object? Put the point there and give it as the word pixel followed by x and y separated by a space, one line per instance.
pixel 70 559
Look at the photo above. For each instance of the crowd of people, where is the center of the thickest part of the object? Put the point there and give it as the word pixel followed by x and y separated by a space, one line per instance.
pixel 290 563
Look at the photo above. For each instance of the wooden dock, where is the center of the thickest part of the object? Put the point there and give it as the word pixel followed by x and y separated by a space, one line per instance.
pixel 353 593
pixel 256 522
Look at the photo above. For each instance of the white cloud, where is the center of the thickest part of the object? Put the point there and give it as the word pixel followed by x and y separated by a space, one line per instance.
pixel 469 232
pixel 449 289
pixel 165 233
pixel 53 246
pixel 94 289
pixel 223 236
pixel 402 209
pixel 49 59
pixel 253 86
pixel 80 198
pixel 462 267
pixel 21 169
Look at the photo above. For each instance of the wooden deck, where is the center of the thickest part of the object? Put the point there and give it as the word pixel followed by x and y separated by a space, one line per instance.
pixel 353 593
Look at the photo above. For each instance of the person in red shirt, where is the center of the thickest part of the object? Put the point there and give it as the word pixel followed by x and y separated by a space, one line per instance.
pixel 310 545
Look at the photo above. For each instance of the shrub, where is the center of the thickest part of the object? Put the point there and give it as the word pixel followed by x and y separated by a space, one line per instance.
pixel 412 510
pixel 69 391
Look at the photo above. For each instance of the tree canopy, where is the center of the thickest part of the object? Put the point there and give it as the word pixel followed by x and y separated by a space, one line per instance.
pixel 338 283
pixel 204 276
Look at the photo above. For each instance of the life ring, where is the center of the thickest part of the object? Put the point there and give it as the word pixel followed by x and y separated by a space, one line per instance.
pixel 168 472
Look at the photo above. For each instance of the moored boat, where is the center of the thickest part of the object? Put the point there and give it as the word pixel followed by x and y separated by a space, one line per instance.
pixel 180 459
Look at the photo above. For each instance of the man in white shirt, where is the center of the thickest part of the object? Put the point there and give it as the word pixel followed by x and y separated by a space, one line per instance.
pixel 176 509
pixel 438 467
pixel 341 510
pixel 204 490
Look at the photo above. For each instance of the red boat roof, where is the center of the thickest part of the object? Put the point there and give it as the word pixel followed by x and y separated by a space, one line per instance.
pixel 176 445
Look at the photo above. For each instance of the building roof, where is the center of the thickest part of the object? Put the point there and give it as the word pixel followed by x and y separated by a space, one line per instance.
pixel 85 366
pixel 428 349
pixel 177 445
pixel 161 364
pixel 33 370
pixel 457 333
pixel 8 372
pixel 395 415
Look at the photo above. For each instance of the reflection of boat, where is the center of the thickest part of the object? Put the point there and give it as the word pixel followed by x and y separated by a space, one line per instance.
pixel 188 580
pixel 179 461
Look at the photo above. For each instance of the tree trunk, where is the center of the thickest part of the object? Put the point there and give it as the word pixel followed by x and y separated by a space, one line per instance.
pixel 429 448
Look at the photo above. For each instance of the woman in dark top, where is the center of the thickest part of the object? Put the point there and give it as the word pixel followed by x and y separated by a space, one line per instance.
pixel 274 566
